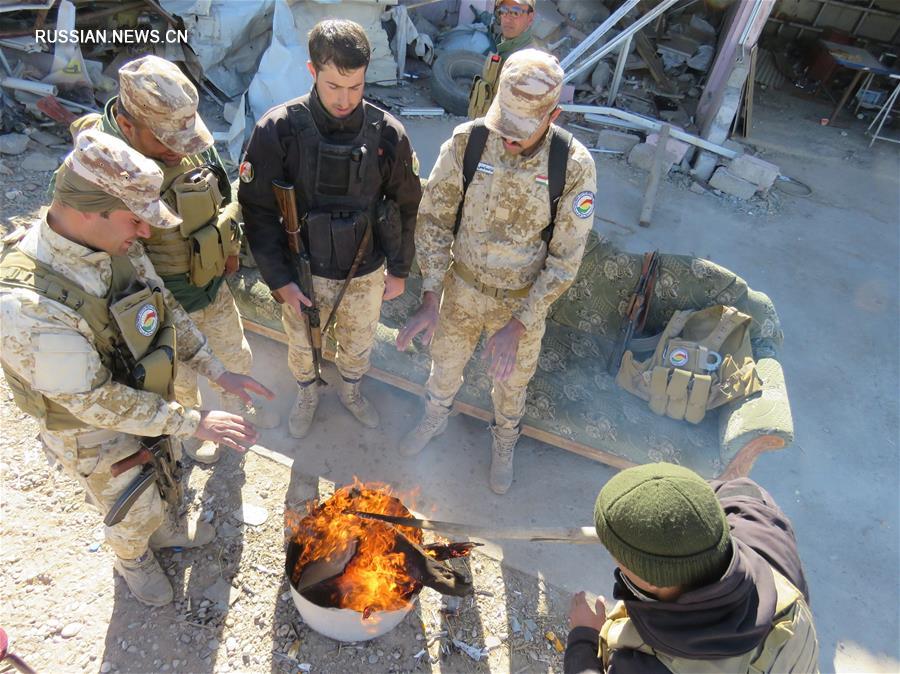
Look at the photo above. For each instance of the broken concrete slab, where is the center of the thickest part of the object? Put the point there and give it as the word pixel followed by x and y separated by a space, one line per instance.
pixel 641 156
pixel 46 139
pixel 674 147
pixel 13 143
pixel 725 181
pixel 37 161
pixel 754 170
pixel 608 139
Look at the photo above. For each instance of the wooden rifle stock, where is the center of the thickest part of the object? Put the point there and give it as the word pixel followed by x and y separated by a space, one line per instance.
pixel 287 206
pixel 636 313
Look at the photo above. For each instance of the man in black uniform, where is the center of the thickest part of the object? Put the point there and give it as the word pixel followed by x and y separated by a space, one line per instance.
pixel 352 167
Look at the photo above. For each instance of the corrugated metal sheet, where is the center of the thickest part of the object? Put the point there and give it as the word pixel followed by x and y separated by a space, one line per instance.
pixel 766 72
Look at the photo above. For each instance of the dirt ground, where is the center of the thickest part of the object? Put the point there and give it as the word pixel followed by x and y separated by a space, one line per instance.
pixel 65 610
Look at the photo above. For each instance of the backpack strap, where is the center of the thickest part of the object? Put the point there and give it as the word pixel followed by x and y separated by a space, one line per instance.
pixel 560 141
pixel 474 149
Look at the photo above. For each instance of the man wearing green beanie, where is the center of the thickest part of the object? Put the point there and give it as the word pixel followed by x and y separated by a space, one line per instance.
pixel 708 579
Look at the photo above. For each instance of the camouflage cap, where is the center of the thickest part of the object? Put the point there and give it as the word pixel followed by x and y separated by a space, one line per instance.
pixel 121 172
pixel 529 89
pixel 157 94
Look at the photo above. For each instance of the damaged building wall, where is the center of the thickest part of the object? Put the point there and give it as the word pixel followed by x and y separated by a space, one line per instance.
pixel 795 18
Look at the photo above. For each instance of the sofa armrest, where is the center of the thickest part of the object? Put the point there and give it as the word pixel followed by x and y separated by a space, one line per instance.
pixel 758 424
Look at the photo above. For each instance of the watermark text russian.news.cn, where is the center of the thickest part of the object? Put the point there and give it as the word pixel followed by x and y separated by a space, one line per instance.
pixel 110 36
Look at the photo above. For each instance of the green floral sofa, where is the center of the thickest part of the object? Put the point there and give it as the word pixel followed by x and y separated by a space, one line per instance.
pixel 572 402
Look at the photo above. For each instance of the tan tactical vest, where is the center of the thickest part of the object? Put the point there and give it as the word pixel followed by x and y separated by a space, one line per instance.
pixel 703 360
pixel 485 86
pixel 197 247
pixel 133 335
pixel 790 646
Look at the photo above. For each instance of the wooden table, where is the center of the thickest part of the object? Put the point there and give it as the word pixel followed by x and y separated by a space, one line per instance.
pixel 856 59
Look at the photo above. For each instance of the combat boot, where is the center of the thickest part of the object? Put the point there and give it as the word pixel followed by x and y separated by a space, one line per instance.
pixel 502 449
pixel 257 414
pixel 304 410
pixel 202 451
pixel 146 580
pixel 359 407
pixel 182 533
pixel 432 424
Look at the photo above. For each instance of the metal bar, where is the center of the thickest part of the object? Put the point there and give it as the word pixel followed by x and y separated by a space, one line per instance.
pixel 600 31
pixel 549 535
pixel 617 75
pixel 651 125
pixel 862 17
pixel 619 39
pixel 749 24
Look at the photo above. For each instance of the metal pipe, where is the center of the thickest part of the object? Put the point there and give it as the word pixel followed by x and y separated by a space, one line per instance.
pixel 619 39
pixel 617 75
pixel 39 88
pixel 599 32
pixel 652 125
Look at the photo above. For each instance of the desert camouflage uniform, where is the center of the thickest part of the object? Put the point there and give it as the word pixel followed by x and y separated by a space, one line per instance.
pixel 52 348
pixel 354 328
pixel 506 208
pixel 218 316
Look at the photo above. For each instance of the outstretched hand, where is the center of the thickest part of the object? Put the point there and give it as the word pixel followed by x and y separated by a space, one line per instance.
pixel 424 321
pixel 582 615
pixel 242 385
pixel 501 349
pixel 226 429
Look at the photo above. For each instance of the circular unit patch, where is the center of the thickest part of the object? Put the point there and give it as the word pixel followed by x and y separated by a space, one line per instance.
pixel 147 320
pixel 583 205
pixel 245 172
pixel 678 357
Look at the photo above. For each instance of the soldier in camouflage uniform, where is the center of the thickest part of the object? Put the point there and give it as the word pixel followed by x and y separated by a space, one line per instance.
pixel 156 114
pixel 516 20
pixel 502 277
pixel 348 162
pixel 66 286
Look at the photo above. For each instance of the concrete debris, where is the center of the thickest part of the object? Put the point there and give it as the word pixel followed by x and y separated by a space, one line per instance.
pixel 40 162
pixel 13 143
pixel 620 141
pixel 46 139
pixel 250 514
pixel 674 147
pixel 641 156
pixel 755 170
pixel 725 181
pixel 601 76
pixel 703 59
pixel 583 12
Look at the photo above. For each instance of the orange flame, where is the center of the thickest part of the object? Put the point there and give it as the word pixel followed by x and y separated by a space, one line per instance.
pixel 376 578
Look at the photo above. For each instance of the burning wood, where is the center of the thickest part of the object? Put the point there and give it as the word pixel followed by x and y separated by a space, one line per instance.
pixel 339 560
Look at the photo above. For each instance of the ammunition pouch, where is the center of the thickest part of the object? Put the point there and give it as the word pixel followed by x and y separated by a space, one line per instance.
pixel 150 339
pixel 484 86
pixel 703 360
pixel 336 235
pixel 197 248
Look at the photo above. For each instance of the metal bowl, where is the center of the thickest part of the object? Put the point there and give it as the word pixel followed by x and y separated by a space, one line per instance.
pixel 344 624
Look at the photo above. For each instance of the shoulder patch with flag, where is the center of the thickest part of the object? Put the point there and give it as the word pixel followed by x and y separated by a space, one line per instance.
pixel 245 172
pixel 542 180
pixel 583 205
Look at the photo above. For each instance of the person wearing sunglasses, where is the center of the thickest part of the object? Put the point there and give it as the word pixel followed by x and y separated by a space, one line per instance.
pixel 515 18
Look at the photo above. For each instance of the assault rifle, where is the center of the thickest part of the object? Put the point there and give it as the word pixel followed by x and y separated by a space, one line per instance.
pixel 287 205
pixel 636 312
pixel 160 467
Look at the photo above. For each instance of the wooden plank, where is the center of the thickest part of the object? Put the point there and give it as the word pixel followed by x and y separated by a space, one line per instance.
pixel 648 53
pixel 567 444
pixel 655 174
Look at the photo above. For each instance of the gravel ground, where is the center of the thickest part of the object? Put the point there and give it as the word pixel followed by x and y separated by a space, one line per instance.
pixel 65 611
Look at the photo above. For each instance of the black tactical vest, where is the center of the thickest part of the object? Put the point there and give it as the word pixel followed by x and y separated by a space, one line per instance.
pixel 338 188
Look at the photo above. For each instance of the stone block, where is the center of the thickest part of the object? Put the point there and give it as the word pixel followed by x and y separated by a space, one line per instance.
pixel 755 170
pixel 641 156
pixel 676 148
pixel 13 143
pixel 609 139
pixel 725 181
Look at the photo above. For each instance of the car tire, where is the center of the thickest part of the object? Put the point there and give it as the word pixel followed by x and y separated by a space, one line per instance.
pixel 451 79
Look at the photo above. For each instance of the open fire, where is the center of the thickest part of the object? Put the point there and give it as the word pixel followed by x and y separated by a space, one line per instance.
pixel 339 560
